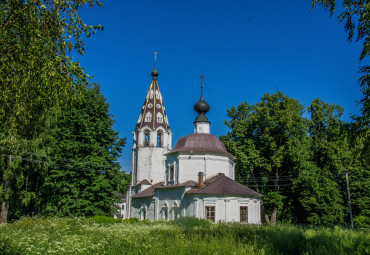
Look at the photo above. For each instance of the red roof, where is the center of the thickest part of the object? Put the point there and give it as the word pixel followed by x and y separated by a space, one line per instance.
pixel 149 192
pixel 222 185
pixel 200 143
pixel 145 182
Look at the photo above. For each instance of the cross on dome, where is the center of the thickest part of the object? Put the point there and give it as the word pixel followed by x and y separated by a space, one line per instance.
pixel 155 72
pixel 201 107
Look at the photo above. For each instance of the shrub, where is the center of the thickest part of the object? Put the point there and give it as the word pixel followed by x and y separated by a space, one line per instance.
pixel 105 219
pixel 361 221
pixel 189 222
pixel 131 220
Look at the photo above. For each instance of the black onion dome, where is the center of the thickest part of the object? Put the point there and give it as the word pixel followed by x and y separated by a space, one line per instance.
pixel 201 107
pixel 155 72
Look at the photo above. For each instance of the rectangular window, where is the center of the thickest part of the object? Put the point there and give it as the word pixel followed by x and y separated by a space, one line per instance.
pixel 243 214
pixel 210 213
pixel 172 173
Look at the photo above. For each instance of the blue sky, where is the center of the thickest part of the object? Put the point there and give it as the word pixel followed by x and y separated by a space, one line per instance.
pixel 244 49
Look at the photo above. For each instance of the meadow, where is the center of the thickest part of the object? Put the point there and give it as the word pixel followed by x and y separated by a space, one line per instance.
pixel 103 235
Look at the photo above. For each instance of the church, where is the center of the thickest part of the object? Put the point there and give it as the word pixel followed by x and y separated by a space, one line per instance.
pixel 194 179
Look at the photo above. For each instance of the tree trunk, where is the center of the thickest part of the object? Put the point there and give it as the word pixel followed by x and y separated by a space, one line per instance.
pixel 264 214
pixel 275 208
pixel 4 212
pixel 273 215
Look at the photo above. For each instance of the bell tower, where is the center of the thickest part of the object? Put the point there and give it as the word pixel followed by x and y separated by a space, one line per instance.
pixel 152 137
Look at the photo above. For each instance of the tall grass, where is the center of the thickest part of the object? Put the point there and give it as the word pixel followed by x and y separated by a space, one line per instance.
pixel 100 235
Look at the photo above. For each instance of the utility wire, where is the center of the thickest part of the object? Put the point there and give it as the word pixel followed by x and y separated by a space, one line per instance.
pixel 55 164
pixel 60 159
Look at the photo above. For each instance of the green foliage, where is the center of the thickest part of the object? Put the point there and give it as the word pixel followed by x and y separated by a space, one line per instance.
pixel 362 221
pixel 356 17
pixel 268 140
pixel 124 181
pixel 83 236
pixel 105 219
pixel 297 163
pixel 189 222
pixel 83 185
pixel 131 220
pixel 37 73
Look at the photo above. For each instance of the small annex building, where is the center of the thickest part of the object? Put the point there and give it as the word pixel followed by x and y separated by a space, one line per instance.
pixel 194 179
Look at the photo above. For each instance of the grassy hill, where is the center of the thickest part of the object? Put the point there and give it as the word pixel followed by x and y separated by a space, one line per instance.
pixel 102 235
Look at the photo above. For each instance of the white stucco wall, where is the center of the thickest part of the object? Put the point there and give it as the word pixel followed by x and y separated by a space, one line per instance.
pixel 202 128
pixel 121 211
pixel 190 164
pixel 149 162
pixel 227 208
pixel 138 203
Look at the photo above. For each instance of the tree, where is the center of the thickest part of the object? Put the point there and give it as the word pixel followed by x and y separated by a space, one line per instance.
pixel 356 16
pixel 37 71
pixel 83 184
pixel 268 140
pixel 320 198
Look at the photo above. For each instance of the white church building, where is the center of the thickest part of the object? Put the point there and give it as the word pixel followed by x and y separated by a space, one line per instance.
pixel 194 179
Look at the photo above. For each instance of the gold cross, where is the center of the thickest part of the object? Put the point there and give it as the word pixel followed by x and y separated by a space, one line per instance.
pixel 155 56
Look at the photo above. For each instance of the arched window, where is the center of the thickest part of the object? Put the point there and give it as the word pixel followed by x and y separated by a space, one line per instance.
pixel 165 212
pixel 159 117
pixel 146 138
pixel 159 139
pixel 143 212
pixel 175 211
pixel 171 174
pixel 148 117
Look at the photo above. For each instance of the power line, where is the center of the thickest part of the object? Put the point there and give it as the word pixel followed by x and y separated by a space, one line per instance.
pixel 60 159
pixel 54 164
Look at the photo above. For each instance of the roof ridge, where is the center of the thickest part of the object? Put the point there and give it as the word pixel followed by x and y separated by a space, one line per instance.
pixel 214 178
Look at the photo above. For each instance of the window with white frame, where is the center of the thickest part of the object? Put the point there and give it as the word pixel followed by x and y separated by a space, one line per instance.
pixel 159 139
pixel 171 173
pixel 156 94
pixel 148 117
pixel 151 94
pixel 165 212
pixel 210 213
pixel 146 138
pixel 143 213
pixel 159 117
pixel 175 211
pixel 243 214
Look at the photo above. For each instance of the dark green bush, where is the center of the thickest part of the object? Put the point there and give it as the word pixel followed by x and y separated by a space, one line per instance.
pixel 361 221
pixel 131 220
pixel 189 222
pixel 105 219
